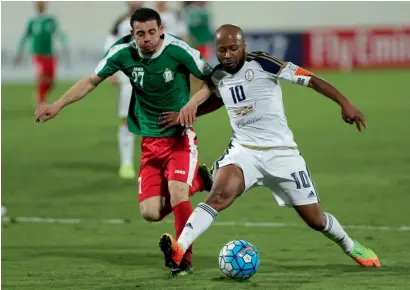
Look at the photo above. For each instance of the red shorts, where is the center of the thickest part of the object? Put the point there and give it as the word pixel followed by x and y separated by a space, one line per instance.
pixel 205 51
pixel 164 159
pixel 44 65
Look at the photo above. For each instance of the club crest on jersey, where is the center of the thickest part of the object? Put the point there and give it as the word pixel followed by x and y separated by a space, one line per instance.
pixel 168 75
pixel 249 75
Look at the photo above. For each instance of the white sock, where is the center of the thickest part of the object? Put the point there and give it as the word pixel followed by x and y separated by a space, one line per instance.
pixel 199 221
pixel 336 233
pixel 126 146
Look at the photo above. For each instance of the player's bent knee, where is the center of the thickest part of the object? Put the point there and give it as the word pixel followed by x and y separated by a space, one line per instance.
pixel 151 215
pixel 179 191
pixel 219 199
pixel 151 209
pixel 313 216
pixel 228 185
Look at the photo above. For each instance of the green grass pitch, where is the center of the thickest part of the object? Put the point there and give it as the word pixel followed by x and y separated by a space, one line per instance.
pixel 67 168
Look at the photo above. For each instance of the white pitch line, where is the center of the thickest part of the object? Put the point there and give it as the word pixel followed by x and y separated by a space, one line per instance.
pixel 50 220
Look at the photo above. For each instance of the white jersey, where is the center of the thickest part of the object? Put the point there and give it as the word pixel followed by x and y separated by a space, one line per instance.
pixel 123 29
pixel 253 99
pixel 172 24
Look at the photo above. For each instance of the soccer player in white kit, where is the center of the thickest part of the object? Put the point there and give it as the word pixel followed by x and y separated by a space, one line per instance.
pixel 262 151
pixel 169 18
pixel 126 140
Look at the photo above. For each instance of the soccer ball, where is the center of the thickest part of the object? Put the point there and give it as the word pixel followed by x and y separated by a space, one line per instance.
pixel 239 260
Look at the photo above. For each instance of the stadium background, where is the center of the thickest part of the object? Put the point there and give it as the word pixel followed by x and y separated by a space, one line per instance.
pixel 281 28
pixel 88 233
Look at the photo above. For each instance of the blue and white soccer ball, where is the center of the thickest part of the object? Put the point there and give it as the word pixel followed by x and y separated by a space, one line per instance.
pixel 239 260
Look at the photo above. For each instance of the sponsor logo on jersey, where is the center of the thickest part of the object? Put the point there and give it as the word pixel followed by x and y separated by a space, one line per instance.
pixel 177 171
pixel 249 75
pixel 243 123
pixel 168 75
pixel 243 111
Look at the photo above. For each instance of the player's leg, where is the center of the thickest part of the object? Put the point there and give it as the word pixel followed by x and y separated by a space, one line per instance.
pixel 228 184
pixel 45 73
pixel 153 194
pixel 182 175
pixel 235 174
pixel 49 74
pixel 41 85
pixel 126 140
pixel 185 179
pixel 327 224
pixel 294 186
pixel 150 195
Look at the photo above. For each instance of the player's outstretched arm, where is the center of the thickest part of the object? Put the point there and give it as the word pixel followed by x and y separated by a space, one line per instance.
pixel 22 43
pixel 350 113
pixel 171 119
pixel 79 90
pixel 287 71
pixel 75 93
pixel 212 104
pixel 187 115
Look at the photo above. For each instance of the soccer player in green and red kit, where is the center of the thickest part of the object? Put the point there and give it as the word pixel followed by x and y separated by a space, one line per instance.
pixel 158 66
pixel 41 30
pixel 198 21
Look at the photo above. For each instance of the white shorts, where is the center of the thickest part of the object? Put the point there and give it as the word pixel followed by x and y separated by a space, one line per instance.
pixel 284 171
pixel 124 99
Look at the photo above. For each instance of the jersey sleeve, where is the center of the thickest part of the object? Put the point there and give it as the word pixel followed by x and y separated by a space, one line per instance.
pixel 193 61
pixel 108 65
pixel 281 70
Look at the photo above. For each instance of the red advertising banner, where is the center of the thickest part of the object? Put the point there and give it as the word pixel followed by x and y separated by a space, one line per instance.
pixel 357 48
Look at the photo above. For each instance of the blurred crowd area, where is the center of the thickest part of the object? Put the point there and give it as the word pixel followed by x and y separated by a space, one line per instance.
pixel 376 35
pixel 189 20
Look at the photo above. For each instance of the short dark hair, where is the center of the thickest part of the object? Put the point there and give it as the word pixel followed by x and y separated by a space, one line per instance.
pixel 144 14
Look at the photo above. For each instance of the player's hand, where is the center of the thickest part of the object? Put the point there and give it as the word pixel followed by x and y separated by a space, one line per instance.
pixel 168 120
pixel 187 115
pixel 352 115
pixel 46 112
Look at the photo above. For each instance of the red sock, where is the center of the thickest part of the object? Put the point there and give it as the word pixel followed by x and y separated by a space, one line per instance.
pixel 182 211
pixel 197 185
pixel 42 88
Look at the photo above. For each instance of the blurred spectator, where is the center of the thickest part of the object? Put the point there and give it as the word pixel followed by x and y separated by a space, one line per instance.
pixel 198 20
pixel 169 18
